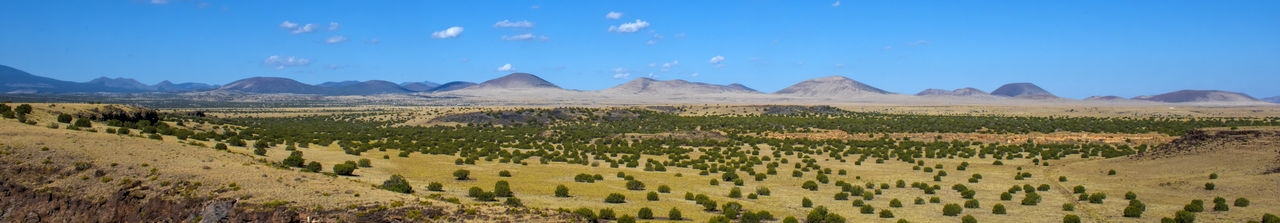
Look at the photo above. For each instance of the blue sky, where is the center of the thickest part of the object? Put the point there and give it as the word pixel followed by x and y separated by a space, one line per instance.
pixel 1072 48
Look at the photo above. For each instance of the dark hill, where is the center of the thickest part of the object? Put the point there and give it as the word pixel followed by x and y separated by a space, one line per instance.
pixel 1023 90
pixel 1199 96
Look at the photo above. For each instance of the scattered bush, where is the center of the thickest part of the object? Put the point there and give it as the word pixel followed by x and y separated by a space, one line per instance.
pixel 1068 207
pixel 512 201
pixel 294 159
pixel 998 209
pixel 1071 218
pixel 951 209
pixel 1194 206
pixel 1208 186
pixel 615 198
pixel 502 189
pixel 343 169
pixel 635 185
pixel 674 214
pixel 504 173
pixel 435 186
pixel 1242 202
pixel 461 174
pixel 645 213
pixel 652 196
pixel 313 167
pixel 1184 217
pixel 562 191
pixel 397 184
pixel 806 202
pixel 971 203
pixel 885 213
pixel 1031 199
pixel 968 219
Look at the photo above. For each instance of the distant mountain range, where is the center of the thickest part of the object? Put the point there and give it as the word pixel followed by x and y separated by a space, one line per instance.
pixel 15 81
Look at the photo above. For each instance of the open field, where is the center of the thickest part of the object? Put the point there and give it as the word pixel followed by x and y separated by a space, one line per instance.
pixel 876 154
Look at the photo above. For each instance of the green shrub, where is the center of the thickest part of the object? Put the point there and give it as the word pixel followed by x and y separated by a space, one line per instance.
pixel 652 196
pixel 1184 217
pixel 397 184
pixel 615 198
pixel 1208 186
pixel 83 123
pixel 664 189
pixel 810 185
pixel 294 159
pixel 1132 211
pixel 1194 206
pixel 1130 195
pixel 1213 176
pixel 1031 199
pixel 968 219
pixel 313 167
pixel 586 213
pixel 1097 198
pixel 1221 206
pixel 674 214
pixel 1270 218
pixel 885 213
pixel 998 209
pixel 735 192
pixel 1071 218
pixel 461 174
pixel 951 209
pixel 260 151
pixel 562 191
pixel 1242 202
pixel 343 169
pixel 606 214
pixel 635 185
pixel 1068 207
pixel 435 186
pixel 502 189
pixel 1079 189
pixel 806 202
pixel 867 209
pixel 64 118
pixel 971 203
pixel 895 203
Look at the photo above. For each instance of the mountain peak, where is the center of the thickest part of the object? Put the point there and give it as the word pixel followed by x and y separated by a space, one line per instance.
pixel 515 81
pixel 1023 89
pixel 645 85
pixel 1199 96
pixel 831 86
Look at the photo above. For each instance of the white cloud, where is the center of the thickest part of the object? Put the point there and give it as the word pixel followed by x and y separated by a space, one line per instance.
pixel 335 39
pixel 159 2
pixel 451 32
pixel 837 4
pixel 667 66
pixel 887 48
pixel 333 26
pixel 535 7
pixel 651 42
pixel 839 66
pixel 509 24
pixel 651 75
pixel 694 74
pixel 613 15
pixel 288 25
pixel 505 67
pixel 920 43
pixel 333 67
pixel 281 62
pixel 716 59
pixel 653 64
pixel 629 27
pixel 373 41
pixel 679 35
pixel 525 37
pixel 619 73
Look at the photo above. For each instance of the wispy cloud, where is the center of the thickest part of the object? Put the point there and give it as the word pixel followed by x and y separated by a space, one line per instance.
pixel 837 4
pixel 619 73
pixel 920 43
pixel 281 62
pixel 159 2
pixel 613 15
pixel 451 32
pixel 334 26
pixel 373 41
pixel 335 39
pixel 295 28
pixel 716 59
pixel 509 24
pixel 505 67
pixel 666 67
pixel 525 37
pixel 630 27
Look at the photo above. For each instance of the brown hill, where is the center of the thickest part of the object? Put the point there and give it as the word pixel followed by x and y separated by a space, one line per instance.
pixel 515 81
pixel 1199 96
pixel 674 87
pixel 833 86
pixel 1023 90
